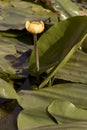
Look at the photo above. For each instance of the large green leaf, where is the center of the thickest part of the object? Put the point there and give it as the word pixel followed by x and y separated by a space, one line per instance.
pixel 7 90
pixel 65 55
pixel 61 109
pixel 75 69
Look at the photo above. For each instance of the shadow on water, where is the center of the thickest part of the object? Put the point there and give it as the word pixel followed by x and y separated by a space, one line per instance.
pixel 10 121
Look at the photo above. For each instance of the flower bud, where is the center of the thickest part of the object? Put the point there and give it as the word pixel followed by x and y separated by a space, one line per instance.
pixel 34 27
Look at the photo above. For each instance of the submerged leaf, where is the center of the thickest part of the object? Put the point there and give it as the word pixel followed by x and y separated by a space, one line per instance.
pixel 12 54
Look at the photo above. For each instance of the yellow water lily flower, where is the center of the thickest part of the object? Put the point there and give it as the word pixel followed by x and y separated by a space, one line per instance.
pixel 34 27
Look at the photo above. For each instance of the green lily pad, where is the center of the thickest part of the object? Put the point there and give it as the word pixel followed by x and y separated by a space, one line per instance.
pixel 70 126
pixel 14 16
pixel 32 118
pixel 7 90
pixel 66 112
pixel 36 103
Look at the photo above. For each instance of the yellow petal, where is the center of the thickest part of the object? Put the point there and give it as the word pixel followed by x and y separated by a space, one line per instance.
pixel 34 27
pixel 27 25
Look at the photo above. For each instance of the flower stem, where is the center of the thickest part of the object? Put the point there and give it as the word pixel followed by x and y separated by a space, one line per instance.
pixel 36 52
